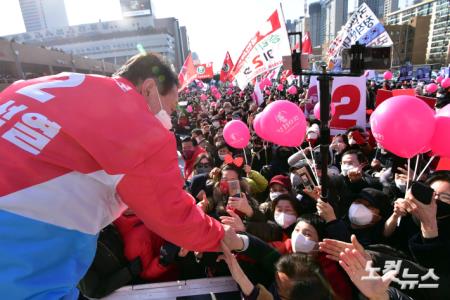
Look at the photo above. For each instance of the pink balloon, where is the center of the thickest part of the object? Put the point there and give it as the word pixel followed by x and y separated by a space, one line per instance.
pixel 236 134
pixel 284 123
pixel 200 84
pixel 403 125
pixel 440 144
pixel 445 83
pixel 189 108
pixel 280 87
pixel 218 95
pixel 230 85
pixel 439 79
pixel 267 92
pixel 257 126
pixel 387 75
pixel 317 110
pixel 431 88
pixel 213 104
pixel 265 82
pixel 203 97
pixel 292 90
pixel 229 92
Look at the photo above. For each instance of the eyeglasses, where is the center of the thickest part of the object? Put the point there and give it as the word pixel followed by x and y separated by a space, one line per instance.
pixel 444 197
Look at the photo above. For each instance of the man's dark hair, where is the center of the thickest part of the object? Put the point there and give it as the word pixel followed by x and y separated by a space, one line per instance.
pixel 149 65
pixel 443 175
pixel 186 139
pixel 223 145
pixel 359 155
pixel 197 131
pixel 308 280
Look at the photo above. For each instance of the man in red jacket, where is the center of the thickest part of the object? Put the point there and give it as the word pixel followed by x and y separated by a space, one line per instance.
pixel 76 151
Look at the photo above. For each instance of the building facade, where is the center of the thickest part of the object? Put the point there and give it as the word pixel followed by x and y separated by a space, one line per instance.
pixel 116 41
pixel 409 40
pixel 437 45
pixel 43 14
pixel 334 16
pixel 390 6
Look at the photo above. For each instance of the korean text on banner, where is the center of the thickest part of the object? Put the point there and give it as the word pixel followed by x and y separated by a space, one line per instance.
pixel 349 97
pixel 363 26
pixel 187 73
pixel 264 51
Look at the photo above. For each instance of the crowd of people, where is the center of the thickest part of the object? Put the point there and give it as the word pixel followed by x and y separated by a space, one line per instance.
pixel 370 236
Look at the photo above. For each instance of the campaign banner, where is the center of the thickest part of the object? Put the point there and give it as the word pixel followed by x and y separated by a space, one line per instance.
pixel 423 73
pixel 349 97
pixel 204 71
pixel 406 73
pixel 363 26
pixel 264 51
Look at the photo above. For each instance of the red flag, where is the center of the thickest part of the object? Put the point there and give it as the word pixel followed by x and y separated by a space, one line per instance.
pixel 187 73
pixel 225 73
pixel 204 71
pixel 306 44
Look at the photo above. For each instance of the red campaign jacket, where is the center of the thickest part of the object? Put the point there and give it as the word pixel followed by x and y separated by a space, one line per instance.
pixel 337 277
pixel 98 135
pixel 143 243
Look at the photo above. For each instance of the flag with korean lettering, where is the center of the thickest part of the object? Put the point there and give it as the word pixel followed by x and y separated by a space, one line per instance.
pixel 204 71
pixel 225 72
pixel 187 73
pixel 264 51
pixel 363 27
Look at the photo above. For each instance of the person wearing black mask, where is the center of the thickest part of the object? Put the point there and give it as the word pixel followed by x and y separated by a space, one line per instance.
pixel 259 154
pixel 279 163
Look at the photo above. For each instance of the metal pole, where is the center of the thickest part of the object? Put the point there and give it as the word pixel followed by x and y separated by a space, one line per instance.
pixel 325 83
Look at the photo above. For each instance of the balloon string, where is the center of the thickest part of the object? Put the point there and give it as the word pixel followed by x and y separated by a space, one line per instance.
pixel 408 176
pixel 309 164
pixel 427 165
pixel 314 162
pixel 417 164
pixel 245 157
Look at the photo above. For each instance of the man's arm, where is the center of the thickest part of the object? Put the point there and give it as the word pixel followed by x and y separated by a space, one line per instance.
pixel 154 191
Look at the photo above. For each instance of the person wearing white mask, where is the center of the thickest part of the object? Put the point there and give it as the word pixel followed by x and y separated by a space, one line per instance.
pixel 286 212
pixel 365 217
pixel 278 185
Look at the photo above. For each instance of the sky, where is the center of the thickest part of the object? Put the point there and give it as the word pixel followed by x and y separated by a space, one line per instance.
pixel 213 26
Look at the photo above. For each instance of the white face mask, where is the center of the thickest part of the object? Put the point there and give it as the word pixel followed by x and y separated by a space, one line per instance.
pixel 301 243
pixel 216 124
pixel 345 169
pixel 351 142
pixel 163 116
pixel 284 220
pixel 359 214
pixel 274 195
pixel 313 135
pixel 401 184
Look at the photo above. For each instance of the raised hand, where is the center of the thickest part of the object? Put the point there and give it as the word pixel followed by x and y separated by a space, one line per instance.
pixel 233 220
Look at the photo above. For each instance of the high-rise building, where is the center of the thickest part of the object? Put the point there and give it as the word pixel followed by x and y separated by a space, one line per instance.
pixel 437 50
pixel 377 6
pixel 43 14
pixel 315 24
pixel 185 42
pixel 390 6
pixel 334 16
